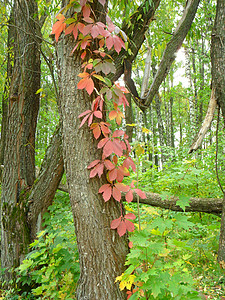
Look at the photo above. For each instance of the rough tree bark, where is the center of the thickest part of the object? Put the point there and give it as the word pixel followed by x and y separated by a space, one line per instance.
pixel 19 167
pixel 218 82
pixel 102 252
pixel 21 193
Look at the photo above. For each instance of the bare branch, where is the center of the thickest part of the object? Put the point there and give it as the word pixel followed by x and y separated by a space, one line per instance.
pixel 206 123
pixel 172 47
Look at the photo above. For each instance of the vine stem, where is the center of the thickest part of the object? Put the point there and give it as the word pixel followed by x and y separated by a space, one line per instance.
pixel 216 158
pixel 138 198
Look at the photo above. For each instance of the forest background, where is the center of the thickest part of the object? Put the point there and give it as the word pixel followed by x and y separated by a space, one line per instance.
pixel 177 248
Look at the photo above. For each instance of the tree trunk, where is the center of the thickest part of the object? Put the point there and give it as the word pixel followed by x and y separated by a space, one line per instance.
pixel 102 252
pixel 218 82
pixel 19 160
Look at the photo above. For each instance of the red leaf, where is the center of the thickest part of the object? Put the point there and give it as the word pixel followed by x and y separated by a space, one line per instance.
pixel 109 42
pixel 112 174
pixel 100 169
pixel 129 196
pixel 118 133
pixel 96 132
pixel 109 165
pixel 121 229
pixel 116 194
pixel 112 115
pixel 130 216
pixel 129 225
pixel 86 11
pixel 84 113
pixel 87 29
pixel 83 121
pixel 117 149
pixel 93 172
pixel 104 187
pixel 108 148
pixel 90 119
pixel 107 193
pixel 118 43
pixel 82 84
pixel 58 27
pixel 130 245
pixel 119 176
pixel 83 2
pixel 69 29
pixel 89 86
pixel 140 193
pixel 83 55
pixel 89 20
pixel 93 163
pixel 115 223
pixel 128 162
pixel 103 142
pixel 122 187
pixel 102 2
pixel 98 114
pixel 95 31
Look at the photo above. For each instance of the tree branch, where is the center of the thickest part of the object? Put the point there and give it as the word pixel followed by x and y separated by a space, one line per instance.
pixel 206 123
pixel 207 205
pixel 172 47
pixel 45 186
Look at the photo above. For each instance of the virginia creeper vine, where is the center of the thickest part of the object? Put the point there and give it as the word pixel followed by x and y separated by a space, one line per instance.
pixel 92 39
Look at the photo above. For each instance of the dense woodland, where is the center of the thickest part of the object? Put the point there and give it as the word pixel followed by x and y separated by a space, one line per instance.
pixel 112 149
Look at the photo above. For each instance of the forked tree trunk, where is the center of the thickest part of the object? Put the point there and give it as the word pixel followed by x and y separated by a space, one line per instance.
pixel 102 252
pixel 218 82
pixel 19 167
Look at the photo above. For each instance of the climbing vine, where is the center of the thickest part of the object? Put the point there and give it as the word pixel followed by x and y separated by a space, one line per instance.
pixel 93 39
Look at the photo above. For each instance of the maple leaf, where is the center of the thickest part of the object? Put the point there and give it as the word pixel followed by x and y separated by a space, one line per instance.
pixel 59 26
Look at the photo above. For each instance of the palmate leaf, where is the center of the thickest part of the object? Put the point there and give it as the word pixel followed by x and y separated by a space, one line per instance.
pixel 58 27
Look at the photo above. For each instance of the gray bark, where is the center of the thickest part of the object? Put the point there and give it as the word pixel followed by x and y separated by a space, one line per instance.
pixel 172 47
pixel 102 252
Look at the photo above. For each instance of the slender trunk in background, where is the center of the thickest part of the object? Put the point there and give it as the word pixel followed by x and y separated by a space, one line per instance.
pixel 129 118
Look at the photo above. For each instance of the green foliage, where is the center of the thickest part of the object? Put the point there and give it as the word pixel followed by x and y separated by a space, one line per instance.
pixel 51 269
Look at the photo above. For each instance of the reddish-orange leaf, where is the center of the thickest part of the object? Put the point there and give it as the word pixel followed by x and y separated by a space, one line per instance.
pixel 108 148
pixel 109 42
pixel 98 114
pixel 101 43
pixel 119 176
pixel 117 148
pixel 83 55
pixel 96 132
pixel 108 164
pixel 82 84
pixel 129 196
pixel 87 29
pixel 94 172
pixel 103 142
pixel 116 194
pixel 115 223
pixel 84 113
pixel 89 86
pixel 86 11
pixel 118 133
pixel 140 193
pixel 112 174
pixel 112 115
pixel 100 168
pixel 130 245
pixel 129 225
pixel 84 120
pixel 107 194
pixel 69 29
pixel 93 163
pixel 122 187
pixel 121 229
pixel 58 27
pixel 130 216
